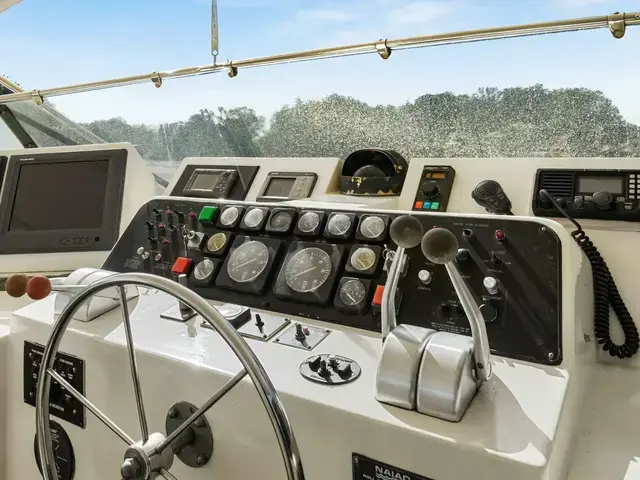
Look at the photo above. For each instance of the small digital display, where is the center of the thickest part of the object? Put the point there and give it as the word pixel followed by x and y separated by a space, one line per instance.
pixel 279 187
pixel 60 196
pixel 590 184
pixel 204 180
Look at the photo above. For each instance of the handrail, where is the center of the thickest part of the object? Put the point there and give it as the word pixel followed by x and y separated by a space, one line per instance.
pixel 616 23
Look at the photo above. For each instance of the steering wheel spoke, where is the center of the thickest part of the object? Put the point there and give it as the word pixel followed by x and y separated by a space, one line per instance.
pixel 202 410
pixel 152 456
pixel 90 406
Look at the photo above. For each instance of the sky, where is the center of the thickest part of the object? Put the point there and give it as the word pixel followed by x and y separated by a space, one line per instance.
pixel 48 43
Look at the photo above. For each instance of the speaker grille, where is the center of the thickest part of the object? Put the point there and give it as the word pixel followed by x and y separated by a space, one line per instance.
pixel 558 184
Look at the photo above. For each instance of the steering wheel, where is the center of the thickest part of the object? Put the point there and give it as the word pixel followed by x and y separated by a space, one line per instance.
pixel 152 456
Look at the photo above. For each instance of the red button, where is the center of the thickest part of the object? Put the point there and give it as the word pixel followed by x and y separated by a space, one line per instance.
pixel 418 205
pixel 500 235
pixel 181 265
pixel 377 297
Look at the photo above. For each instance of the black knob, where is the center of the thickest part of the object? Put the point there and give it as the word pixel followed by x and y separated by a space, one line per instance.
pixel 603 200
pixel 323 371
pixel 431 190
pixel 300 336
pixel 315 363
pixel 488 312
pixel 345 371
pixel 259 322
pixel 463 255
pixel 495 261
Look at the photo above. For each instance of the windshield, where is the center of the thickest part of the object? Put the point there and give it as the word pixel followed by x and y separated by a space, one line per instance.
pixel 571 94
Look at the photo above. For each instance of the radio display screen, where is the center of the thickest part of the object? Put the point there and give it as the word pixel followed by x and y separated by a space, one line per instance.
pixel 591 184
pixel 279 187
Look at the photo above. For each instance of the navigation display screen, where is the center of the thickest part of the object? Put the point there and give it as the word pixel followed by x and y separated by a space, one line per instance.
pixel 279 187
pixel 60 196
pixel 205 180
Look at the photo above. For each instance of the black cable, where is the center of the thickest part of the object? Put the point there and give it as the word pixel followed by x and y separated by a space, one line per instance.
pixel 605 293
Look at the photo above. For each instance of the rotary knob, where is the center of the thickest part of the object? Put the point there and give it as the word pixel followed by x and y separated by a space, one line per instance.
pixel 603 200
pixel 431 190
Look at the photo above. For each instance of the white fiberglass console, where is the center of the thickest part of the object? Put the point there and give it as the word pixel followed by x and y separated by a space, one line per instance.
pixel 314 280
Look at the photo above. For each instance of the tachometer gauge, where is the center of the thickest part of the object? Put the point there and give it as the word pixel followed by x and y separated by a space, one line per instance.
pixel 339 224
pixel 229 216
pixel 363 259
pixel 247 261
pixel 352 293
pixel 308 269
pixel 308 222
pixel 372 227
pixel 253 218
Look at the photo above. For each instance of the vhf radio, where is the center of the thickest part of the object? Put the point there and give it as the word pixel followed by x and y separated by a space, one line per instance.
pixel 595 194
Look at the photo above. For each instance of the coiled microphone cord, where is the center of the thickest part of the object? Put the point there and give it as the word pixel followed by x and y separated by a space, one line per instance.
pixel 605 294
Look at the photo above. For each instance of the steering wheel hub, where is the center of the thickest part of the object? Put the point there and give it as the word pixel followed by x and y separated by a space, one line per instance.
pixel 146 461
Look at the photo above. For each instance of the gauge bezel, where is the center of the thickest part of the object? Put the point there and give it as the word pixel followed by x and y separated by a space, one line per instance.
pixel 316 231
pixel 223 250
pixel 260 226
pixel 241 210
pixel 210 278
pixel 323 293
pixel 358 309
pixel 258 285
pixel 348 234
pixel 370 272
pixel 379 238
pixel 281 231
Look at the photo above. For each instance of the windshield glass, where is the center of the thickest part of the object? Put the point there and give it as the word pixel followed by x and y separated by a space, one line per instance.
pixel 571 94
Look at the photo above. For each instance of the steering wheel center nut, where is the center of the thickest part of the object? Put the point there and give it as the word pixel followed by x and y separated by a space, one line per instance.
pixel 142 462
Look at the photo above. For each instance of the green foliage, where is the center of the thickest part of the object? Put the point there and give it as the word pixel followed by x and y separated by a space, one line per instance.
pixel 513 122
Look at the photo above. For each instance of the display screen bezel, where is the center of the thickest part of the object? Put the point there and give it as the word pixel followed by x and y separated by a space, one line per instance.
pixel 60 240
pixel 279 177
pixel 296 176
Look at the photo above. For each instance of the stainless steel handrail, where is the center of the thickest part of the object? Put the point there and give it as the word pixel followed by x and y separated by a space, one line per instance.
pixel 616 23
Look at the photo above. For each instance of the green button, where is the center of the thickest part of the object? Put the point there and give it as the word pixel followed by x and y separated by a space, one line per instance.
pixel 435 205
pixel 207 214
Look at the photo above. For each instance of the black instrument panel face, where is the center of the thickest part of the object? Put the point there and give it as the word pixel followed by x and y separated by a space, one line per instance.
pixel 61 403
pixel 330 265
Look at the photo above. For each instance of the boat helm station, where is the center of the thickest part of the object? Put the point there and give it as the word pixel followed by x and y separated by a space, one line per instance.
pixel 367 317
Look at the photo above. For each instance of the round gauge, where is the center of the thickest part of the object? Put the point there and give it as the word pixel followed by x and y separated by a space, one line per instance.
pixel 372 227
pixel 203 269
pixel 352 293
pixel 216 242
pixel 253 217
pixel 248 261
pixel 62 452
pixel 363 259
pixel 281 220
pixel 339 224
pixel 229 216
pixel 308 269
pixel 308 222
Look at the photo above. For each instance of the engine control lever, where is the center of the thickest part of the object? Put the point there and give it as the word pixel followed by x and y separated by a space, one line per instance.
pixel 440 246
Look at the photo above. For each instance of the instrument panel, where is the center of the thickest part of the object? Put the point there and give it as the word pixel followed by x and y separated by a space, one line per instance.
pixel 330 265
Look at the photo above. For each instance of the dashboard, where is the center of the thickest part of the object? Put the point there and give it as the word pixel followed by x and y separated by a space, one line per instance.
pixel 329 264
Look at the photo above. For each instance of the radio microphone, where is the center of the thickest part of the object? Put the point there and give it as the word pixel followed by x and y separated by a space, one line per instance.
pixel 490 195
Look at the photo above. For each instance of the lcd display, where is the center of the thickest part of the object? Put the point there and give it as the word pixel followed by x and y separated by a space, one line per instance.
pixel 280 187
pixel 60 196
pixel 205 180
pixel 589 184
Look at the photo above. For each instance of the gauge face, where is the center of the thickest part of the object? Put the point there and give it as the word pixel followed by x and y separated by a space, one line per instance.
pixel 281 220
pixel 248 261
pixel 229 216
pixel 372 227
pixel 216 242
pixel 62 451
pixel 363 259
pixel 352 293
pixel 203 269
pixel 308 222
pixel 339 224
pixel 253 217
pixel 308 269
